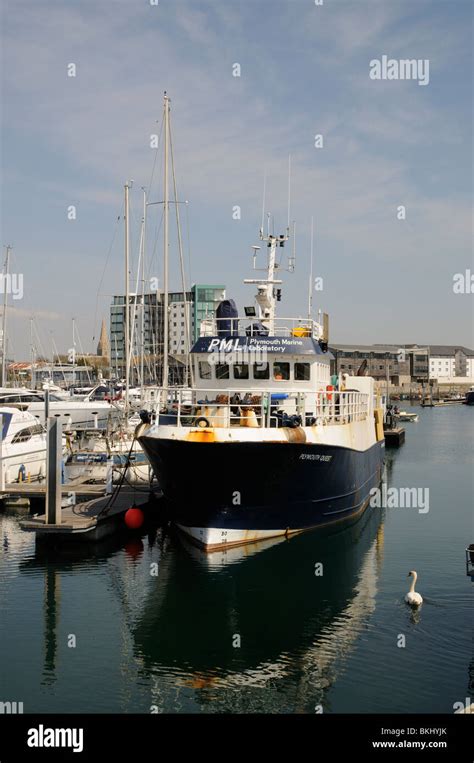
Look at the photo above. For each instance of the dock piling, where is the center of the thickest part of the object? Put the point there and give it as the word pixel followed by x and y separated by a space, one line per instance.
pixel 53 470
pixel 2 461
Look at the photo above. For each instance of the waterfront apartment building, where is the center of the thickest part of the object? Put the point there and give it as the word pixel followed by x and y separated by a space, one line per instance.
pixel 405 363
pixel 449 361
pixel 148 309
pixel 181 322
pixel 200 302
pixel 206 298
pixel 185 310
pixel 381 361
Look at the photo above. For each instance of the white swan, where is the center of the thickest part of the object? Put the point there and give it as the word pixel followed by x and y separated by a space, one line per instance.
pixel 413 598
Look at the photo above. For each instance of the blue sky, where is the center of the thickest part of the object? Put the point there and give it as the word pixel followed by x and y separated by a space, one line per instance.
pixel 304 71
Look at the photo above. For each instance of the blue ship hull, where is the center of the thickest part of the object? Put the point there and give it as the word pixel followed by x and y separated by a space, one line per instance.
pixel 262 486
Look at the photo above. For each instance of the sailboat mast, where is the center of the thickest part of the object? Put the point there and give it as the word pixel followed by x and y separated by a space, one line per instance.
pixel 165 247
pixel 4 326
pixel 33 358
pixel 142 327
pixel 73 353
pixel 126 321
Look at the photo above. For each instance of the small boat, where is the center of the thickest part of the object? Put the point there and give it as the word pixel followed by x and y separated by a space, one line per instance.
pixel 92 467
pixel 92 454
pixel 469 397
pixel 407 416
pixel 73 414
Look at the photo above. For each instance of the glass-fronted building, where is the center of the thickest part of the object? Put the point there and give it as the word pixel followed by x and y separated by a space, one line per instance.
pixel 152 311
pixel 183 310
pixel 206 297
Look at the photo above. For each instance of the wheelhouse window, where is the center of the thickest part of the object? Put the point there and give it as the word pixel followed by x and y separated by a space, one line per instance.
pixel 281 371
pixel 241 371
pixel 204 369
pixel 222 371
pixel 261 371
pixel 302 371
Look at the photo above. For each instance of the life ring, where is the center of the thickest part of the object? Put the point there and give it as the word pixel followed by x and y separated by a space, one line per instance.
pixel 202 422
pixel 329 391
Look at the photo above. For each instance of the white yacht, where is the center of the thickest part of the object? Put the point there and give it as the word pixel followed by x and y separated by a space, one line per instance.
pixel 23 446
pixel 72 413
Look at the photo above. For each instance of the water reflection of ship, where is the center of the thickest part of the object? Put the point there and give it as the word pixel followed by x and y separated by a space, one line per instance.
pixel 293 624
pixel 126 587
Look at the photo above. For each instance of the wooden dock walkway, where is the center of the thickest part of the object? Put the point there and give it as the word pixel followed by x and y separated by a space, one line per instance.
pixel 86 520
pixel 38 490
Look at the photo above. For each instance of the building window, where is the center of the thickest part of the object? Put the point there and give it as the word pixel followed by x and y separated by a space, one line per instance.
pixel 302 372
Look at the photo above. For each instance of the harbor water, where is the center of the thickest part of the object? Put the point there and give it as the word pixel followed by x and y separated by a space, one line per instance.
pixel 317 623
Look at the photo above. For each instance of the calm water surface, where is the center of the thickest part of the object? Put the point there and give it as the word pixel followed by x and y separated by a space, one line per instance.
pixel 170 642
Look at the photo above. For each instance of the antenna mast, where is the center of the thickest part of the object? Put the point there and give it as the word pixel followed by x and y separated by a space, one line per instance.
pixel 310 289
pixel 263 200
pixel 289 190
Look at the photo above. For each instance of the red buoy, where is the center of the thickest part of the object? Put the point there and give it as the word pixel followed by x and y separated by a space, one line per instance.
pixel 134 518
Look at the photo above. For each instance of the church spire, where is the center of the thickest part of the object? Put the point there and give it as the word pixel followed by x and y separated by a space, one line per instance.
pixel 103 348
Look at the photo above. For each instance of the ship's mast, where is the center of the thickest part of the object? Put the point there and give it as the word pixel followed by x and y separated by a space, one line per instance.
pixel 265 297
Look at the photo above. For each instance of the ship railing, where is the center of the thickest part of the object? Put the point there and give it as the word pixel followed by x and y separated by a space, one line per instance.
pixel 248 326
pixel 245 407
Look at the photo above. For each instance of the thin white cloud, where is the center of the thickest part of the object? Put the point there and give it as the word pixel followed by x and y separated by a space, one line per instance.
pixel 20 312
pixel 227 130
